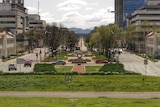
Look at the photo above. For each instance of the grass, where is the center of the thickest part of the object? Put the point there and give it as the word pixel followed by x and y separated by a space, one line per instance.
pixel 92 68
pixel 80 83
pixel 107 68
pixel 100 57
pixel 63 68
pixel 86 102
pixel 44 68
pixel 117 68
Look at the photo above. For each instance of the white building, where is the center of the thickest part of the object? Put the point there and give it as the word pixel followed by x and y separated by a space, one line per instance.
pixel 153 44
pixel 7 44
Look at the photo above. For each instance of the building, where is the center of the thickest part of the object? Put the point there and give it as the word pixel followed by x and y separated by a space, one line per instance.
pixel 7 44
pixel 123 8
pixel 36 22
pixel 20 2
pixel 152 2
pixel 149 14
pixel 146 19
pixel 13 15
pixel 153 44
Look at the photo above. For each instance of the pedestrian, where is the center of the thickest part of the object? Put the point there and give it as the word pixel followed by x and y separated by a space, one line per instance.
pixel 37 55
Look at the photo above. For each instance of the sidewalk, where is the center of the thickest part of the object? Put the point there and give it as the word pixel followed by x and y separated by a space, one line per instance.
pixel 138 95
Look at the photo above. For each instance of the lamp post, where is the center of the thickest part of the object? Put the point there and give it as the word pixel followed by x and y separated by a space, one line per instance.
pixel 48 34
pixel 40 45
pixel 117 51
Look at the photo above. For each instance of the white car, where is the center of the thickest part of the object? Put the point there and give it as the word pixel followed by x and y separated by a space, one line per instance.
pixel 120 50
pixel 12 67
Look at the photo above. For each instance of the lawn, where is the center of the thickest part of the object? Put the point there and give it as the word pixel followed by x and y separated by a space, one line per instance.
pixel 63 102
pixel 93 68
pixel 107 69
pixel 80 83
pixel 63 68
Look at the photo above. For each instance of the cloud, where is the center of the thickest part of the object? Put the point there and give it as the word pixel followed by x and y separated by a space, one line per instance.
pixel 47 16
pixel 101 15
pixel 89 8
pixel 71 5
pixel 88 18
pixel 97 18
pixel 32 10
pixel 71 17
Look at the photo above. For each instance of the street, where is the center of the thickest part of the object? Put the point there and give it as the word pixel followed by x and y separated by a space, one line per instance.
pixel 131 62
pixel 20 67
pixel 135 63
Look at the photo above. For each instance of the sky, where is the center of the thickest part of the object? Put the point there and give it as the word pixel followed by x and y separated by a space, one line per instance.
pixel 73 13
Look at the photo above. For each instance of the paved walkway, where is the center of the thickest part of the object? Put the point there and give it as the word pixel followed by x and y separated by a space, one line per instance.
pixel 78 68
pixel 141 95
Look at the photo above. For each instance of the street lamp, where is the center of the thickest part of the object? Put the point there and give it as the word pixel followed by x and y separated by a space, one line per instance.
pixel 118 46
pixel 48 34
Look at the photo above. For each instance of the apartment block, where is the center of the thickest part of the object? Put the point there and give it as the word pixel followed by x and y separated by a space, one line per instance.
pixel 13 15
pixel 149 14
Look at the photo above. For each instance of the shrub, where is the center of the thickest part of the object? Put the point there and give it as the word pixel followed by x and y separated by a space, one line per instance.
pixel 44 68
pixel 113 69
pixel 79 60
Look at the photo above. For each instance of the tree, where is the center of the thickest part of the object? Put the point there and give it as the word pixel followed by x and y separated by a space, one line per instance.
pixel 130 37
pixel 59 36
pixel 71 41
pixel 105 38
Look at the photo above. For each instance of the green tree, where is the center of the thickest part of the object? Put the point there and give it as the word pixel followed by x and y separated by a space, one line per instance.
pixel 130 37
pixel 105 38
pixel 57 36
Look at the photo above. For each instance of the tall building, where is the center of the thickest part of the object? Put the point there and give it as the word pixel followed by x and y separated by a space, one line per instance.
pixel 20 2
pixel 123 8
pixel 13 15
pixel 149 14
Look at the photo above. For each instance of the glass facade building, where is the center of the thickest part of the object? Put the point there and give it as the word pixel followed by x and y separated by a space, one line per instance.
pixel 129 6
pixel 125 7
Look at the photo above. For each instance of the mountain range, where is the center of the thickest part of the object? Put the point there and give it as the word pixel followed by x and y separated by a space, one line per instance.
pixel 80 31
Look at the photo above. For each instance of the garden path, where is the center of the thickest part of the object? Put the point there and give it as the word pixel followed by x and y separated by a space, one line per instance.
pixel 78 68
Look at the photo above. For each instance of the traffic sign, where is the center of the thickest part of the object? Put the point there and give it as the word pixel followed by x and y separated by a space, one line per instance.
pixel 145 61
pixel 20 60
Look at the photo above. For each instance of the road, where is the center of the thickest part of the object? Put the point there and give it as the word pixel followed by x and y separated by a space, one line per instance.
pixel 82 45
pixel 135 63
pixel 131 62
pixel 20 67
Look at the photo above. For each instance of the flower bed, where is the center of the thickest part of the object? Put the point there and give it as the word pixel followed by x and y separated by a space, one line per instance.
pixel 79 60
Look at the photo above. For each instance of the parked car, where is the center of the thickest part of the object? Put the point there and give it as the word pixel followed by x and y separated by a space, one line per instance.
pixel 59 62
pixel 27 62
pixel 120 50
pixel 101 61
pixel 12 67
